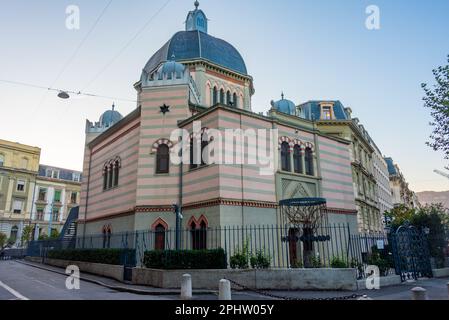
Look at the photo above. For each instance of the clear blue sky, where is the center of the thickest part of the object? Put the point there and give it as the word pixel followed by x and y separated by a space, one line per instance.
pixel 316 49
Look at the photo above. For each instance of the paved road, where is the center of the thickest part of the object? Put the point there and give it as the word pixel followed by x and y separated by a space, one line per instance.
pixel 18 281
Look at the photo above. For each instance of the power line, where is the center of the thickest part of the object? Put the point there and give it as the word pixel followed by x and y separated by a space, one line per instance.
pixel 120 52
pixel 79 93
pixel 64 68
pixel 82 42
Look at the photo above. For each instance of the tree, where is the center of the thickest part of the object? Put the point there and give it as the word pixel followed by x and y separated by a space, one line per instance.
pixel 26 234
pixel 3 239
pixel 398 215
pixel 437 99
pixel 434 218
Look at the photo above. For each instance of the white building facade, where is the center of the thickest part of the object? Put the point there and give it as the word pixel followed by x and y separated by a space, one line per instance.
pixel 57 192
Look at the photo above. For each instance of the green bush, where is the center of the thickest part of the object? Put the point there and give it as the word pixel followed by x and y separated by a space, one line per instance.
pixel 338 263
pixel 315 262
pixel 239 261
pixel 188 259
pixel 104 256
pixel 260 260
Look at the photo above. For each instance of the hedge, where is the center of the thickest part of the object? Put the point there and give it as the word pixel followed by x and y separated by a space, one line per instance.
pixel 188 259
pixel 104 256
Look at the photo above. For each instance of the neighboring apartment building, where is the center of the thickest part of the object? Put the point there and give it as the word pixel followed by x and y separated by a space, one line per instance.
pixel 19 165
pixel 57 192
pixel 401 193
pixel 332 118
pixel 381 175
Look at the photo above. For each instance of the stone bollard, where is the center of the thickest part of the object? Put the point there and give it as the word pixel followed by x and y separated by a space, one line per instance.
pixel 364 297
pixel 186 287
pixel 419 293
pixel 224 290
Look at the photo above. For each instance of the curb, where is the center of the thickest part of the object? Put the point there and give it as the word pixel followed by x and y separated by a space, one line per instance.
pixel 118 288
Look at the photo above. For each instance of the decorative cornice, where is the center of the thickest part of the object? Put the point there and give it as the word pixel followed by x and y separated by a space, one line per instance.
pixel 144 209
pixel 230 202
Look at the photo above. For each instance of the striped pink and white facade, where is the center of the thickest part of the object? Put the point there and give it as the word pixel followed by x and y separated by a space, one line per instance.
pixel 221 194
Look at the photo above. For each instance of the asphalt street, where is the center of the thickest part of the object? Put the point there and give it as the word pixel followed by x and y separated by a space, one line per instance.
pixel 19 281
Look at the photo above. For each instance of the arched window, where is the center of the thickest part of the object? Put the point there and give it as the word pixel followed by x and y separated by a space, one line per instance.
pixel 297 159
pixel 228 98
pixel 104 237
pixel 193 162
pixel 309 161
pixel 285 156
pixel 105 177
pixel 110 175
pixel 159 237
pixel 116 172
pixel 235 101
pixel 204 144
pixel 215 96
pixel 222 96
pixel 199 236
pixel 108 236
pixel 2 160
pixel 203 236
pixel 163 159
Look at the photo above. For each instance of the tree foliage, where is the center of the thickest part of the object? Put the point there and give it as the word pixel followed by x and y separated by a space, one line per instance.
pixel 26 234
pixel 434 218
pixel 3 239
pixel 437 100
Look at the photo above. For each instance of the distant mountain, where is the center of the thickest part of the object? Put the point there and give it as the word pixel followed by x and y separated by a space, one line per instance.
pixel 429 197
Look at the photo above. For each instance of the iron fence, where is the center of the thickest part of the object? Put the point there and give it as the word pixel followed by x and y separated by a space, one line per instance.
pixel 284 246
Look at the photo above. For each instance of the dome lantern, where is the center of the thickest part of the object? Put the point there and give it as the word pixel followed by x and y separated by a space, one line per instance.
pixel 196 20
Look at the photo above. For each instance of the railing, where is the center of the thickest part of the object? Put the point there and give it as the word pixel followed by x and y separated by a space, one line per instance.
pixel 285 246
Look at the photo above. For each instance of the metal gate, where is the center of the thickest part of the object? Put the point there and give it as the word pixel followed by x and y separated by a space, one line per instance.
pixel 411 253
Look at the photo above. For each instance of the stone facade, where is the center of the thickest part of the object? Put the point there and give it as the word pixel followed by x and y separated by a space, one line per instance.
pixel 19 165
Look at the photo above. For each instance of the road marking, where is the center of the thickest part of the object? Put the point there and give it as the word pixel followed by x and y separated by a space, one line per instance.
pixel 13 292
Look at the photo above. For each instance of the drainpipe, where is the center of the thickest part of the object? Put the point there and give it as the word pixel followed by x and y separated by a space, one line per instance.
pixel 178 212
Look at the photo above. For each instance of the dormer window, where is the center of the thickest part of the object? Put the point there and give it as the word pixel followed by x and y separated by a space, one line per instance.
pixel 326 113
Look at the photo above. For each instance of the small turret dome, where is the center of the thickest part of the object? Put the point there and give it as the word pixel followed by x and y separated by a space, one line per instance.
pixel 171 68
pixel 110 117
pixel 284 106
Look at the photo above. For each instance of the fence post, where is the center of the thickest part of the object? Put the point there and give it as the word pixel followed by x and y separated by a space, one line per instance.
pixel 186 287
pixel 419 293
pixel 224 290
